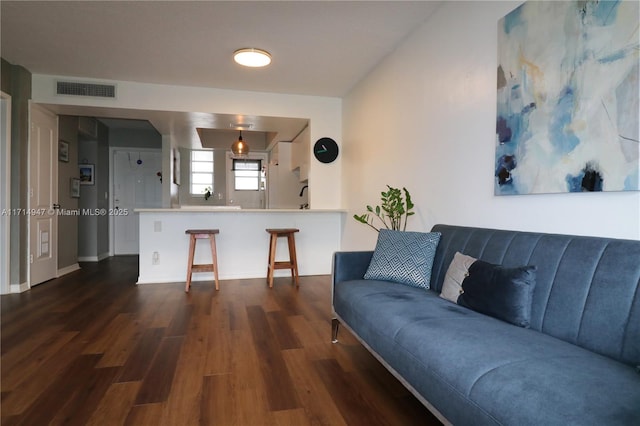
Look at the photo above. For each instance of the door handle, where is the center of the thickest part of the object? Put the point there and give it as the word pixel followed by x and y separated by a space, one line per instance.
pixel 56 206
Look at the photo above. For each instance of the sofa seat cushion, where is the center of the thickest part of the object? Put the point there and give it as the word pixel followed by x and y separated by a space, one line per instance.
pixel 501 373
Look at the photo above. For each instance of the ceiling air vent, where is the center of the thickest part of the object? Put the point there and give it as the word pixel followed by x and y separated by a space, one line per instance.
pixel 86 89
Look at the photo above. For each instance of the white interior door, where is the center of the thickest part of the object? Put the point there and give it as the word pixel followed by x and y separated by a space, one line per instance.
pixel 136 184
pixel 5 197
pixel 43 196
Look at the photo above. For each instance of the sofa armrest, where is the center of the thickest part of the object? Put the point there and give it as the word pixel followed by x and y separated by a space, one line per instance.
pixel 350 265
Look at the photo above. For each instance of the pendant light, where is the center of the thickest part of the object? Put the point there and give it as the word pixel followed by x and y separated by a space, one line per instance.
pixel 239 147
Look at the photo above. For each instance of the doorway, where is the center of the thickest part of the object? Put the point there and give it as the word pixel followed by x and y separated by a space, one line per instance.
pixel 43 196
pixel 5 198
pixel 137 183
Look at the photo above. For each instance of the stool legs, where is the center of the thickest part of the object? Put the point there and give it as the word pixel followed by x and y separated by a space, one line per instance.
pixel 272 259
pixel 292 264
pixel 293 258
pixel 214 257
pixel 192 250
pixel 213 266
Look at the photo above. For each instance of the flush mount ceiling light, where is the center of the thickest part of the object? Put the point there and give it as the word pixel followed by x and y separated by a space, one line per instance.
pixel 241 125
pixel 239 147
pixel 250 57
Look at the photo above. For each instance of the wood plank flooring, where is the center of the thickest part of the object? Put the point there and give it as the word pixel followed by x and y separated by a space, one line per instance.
pixel 93 348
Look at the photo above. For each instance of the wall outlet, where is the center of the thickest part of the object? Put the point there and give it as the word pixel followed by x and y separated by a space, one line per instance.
pixel 155 259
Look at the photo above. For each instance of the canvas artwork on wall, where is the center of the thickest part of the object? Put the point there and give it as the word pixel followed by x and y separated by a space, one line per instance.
pixel 568 109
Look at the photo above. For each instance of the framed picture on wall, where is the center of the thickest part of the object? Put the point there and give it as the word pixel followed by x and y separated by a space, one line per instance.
pixel 63 151
pixel 74 187
pixel 87 175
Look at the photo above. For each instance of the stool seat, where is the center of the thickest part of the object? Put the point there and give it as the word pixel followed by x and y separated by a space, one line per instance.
pixel 196 234
pixel 282 231
pixel 292 263
pixel 202 231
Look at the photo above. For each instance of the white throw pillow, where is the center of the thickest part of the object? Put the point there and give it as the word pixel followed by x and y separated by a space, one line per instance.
pixel 458 270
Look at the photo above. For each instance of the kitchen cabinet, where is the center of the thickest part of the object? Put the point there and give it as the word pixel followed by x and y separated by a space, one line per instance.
pixel 300 154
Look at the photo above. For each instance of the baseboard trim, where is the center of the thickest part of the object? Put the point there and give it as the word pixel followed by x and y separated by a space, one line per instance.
pixel 68 269
pixel 103 256
pixel 18 288
pixel 97 258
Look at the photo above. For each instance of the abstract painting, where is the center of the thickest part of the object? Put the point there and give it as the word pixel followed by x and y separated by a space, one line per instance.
pixel 568 89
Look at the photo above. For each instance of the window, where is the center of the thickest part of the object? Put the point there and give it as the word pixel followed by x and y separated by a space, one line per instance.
pixel 248 175
pixel 201 171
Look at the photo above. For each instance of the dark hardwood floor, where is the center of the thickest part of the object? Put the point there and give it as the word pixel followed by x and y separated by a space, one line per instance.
pixel 92 348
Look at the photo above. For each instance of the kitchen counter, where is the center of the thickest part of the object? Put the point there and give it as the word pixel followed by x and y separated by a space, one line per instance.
pixel 216 209
pixel 242 245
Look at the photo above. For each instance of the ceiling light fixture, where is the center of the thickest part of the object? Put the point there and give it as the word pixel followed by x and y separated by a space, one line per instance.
pixel 244 126
pixel 239 147
pixel 250 57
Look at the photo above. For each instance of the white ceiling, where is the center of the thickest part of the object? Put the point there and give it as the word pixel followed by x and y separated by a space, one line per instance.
pixel 319 47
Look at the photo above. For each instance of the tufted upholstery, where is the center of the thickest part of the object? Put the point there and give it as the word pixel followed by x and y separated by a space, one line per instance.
pixel 587 291
pixel 574 366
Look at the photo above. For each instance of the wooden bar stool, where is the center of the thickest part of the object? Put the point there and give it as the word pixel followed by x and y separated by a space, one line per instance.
pixel 196 234
pixel 292 264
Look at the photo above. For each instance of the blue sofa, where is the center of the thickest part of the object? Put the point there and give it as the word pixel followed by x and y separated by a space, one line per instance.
pixel 577 364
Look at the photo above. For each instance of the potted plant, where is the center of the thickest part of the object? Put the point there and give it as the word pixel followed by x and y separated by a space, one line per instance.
pixel 391 213
pixel 207 193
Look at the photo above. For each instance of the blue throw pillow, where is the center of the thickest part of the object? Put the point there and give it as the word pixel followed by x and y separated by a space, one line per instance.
pixel 403 257
pixel 503 293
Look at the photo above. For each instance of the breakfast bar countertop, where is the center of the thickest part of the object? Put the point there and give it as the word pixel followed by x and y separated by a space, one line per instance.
pixel 214 209
pixel 242 244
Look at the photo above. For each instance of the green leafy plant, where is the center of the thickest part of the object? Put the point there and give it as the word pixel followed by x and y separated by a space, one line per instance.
pixel 207 193
pixel 391 213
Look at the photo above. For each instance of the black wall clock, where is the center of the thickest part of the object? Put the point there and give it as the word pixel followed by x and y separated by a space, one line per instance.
pixel 325 150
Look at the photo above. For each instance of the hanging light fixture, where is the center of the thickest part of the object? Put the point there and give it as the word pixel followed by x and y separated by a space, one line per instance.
pixel 252 57
pixel 239 147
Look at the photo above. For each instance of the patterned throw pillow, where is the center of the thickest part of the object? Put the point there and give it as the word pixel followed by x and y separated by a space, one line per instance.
pixel 403 257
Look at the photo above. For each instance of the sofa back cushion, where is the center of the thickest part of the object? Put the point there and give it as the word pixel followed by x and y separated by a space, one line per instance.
pixel 587 288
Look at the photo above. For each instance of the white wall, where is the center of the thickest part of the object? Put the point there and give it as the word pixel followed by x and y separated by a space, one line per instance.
pixel 324 113
pixel 425 119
